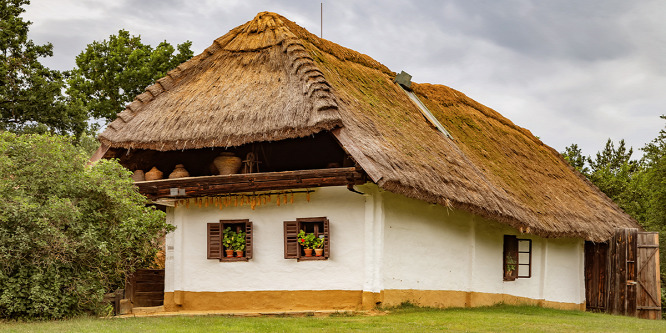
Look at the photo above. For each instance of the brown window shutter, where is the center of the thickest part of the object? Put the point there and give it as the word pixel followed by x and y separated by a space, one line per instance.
pixel 327 239
pixel 510 251
pixel 248 240
pixel 214 236
pixel 291 250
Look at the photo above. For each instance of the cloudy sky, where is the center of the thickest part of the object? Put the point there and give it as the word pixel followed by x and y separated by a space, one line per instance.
pixel 570 71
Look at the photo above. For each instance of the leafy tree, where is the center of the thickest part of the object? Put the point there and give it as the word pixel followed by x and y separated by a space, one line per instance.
pixel 611 158
pixel 655 181
pixel 109 74
pixel 620 178
pixel 30 94
pixel 68 232
pixel 575 157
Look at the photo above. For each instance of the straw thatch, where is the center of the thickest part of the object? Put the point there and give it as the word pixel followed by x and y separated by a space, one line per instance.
pixel 271 79
pixel 256 83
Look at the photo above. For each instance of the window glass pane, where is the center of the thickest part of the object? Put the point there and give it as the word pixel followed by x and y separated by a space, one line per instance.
pixel 523 258
pixel 523 270
pixel 523 246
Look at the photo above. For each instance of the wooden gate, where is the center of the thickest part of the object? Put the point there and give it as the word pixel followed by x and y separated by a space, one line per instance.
pixel 622 276
pixel 145 287
pixel 622 273
pixel 648 294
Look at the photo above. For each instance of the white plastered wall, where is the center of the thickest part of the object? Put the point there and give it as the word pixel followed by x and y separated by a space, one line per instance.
pixel 187 268
pixel 379 241
pixel 430 247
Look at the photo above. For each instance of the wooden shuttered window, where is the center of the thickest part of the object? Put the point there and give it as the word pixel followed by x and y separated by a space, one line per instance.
pixel 517 258
pixel 215 234
pixel 248 240
pixel 327 239
pixel 317 225
pixel 291 248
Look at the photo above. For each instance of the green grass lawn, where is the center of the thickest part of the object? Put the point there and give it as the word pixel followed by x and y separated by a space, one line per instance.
pixel 408 319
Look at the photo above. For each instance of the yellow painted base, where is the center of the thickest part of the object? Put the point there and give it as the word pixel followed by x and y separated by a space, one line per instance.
pixel 302 300
pixel 263 300
pixel 449 298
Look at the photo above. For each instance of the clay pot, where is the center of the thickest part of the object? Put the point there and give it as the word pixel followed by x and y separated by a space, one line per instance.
pixel 319 252
pixel 308 252
pixel 154 174
pixel 239 254
pixel 179 172
pixel 138 176
pixel 227 163
pixel 230 253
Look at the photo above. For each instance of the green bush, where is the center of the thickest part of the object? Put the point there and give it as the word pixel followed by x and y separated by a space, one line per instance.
pixel 68 232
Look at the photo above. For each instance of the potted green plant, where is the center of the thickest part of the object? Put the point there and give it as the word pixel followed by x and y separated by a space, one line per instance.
pixel 228 238
pixel 510 267
pixel 317 245
pixel 239 243
pixel 306 241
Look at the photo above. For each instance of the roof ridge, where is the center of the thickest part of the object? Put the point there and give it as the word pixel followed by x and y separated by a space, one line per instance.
pixel 316 85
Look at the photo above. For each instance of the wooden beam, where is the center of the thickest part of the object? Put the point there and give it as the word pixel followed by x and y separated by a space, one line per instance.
pixel 215 185
pixel 103 148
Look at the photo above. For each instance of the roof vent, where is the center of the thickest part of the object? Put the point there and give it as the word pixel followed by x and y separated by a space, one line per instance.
pixel 404 79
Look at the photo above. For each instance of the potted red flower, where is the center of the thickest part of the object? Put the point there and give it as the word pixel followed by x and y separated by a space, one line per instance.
pixel 308 242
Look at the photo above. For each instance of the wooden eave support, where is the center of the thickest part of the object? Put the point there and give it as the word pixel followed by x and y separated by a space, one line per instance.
pixel 99 153
pixel 264 181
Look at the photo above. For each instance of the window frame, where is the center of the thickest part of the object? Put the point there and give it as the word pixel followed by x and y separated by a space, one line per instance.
pixel 215 234
pixel 293 249
pixel 512 245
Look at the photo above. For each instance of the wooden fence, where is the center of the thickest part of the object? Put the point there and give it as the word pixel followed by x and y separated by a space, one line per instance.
pixel 146 287
pixel 622 276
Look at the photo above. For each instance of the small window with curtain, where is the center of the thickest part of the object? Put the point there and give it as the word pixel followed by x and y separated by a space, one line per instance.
pixel 517 258
pixel 307 239
pixel 230 240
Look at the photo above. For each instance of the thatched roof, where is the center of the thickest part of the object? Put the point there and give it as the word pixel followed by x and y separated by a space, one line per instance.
pixel 270 79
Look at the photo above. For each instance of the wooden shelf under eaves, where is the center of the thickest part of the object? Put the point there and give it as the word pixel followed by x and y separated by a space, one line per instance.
pixel 191 187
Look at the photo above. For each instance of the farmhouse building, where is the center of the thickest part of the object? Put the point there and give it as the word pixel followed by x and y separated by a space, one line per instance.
pixel 420 193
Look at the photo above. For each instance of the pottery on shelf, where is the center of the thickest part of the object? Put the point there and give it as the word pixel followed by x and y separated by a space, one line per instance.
pixel 138 176
pixel 227 163
pixel 154 174
pixel 179 172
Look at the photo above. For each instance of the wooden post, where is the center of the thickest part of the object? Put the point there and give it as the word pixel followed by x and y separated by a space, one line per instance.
pixel 630 302
pixel 611 300
pixel 621 272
